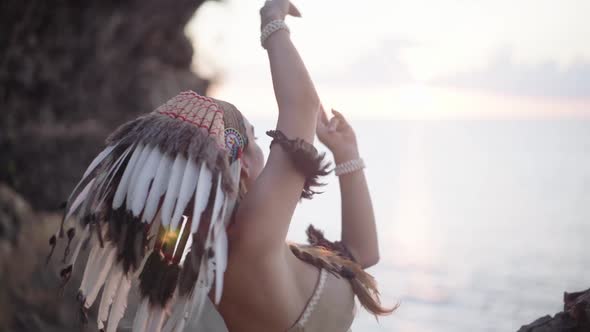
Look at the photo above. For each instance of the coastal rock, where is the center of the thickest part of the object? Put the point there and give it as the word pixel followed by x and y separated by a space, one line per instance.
pixel 574 318
pixel 71 72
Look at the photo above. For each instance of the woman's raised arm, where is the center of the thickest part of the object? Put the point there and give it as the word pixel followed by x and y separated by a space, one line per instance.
pixel 266 211
pixel 359 232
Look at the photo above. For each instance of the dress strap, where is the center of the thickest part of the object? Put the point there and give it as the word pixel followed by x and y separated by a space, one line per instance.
pixel 314 300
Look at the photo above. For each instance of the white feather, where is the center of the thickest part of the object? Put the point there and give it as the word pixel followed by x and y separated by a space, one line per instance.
pixel 108 293
pixel 137 272
pixel 81 241
pixel 177 315
pixel 97 279
pixel 200 290
pixel 94 255
pixel 154 229
pixel 220 263
pixel 187 189
pixel 97 160
pixel 199 296
pixel 156 314
pixel 111 175
pixel 218 204
pixel 181 324
pixel 229 206
pixel 79 199
pixel 101 156
pixel 139 165
pixel 141 316
pixel 119 304
pixel 234 170
pixel 158 187
pixel 173 189
pixel 124 183
pixel 201 195
pixel 144 179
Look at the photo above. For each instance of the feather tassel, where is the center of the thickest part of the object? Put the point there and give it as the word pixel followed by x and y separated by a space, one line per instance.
pixel 95 254
pixel 124 183
pixel 81 241
pixel 97 278
pixel 220 263
pixel 144 179
pixel 200 291
pixel 177 315
pixel 187 189
pixel 119 305
pixel 218 204
pixel 79 199
pixel 104 189
pixel 181 324
pixel 173 189
pixel 156 315
pixel 158 187
pixel 137 272
pixel 201 195
pixel 108 293
pixel 99 158
pixel 141 316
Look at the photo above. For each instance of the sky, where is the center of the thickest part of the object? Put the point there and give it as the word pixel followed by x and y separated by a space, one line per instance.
pixel 420 59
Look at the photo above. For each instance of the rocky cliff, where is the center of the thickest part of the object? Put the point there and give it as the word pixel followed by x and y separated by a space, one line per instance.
pixel 71 71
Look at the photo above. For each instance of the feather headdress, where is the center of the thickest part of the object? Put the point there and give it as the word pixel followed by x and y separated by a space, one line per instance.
pixel 153 207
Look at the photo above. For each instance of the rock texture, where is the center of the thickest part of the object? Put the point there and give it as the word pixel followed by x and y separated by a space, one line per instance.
pixel 29 294
pixel 72 71
pixel 574 318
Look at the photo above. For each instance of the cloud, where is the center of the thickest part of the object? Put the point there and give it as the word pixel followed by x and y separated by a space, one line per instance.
pixel 548 79
pixel 375 68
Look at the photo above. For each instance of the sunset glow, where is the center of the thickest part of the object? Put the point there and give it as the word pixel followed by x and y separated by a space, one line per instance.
pixel 422 59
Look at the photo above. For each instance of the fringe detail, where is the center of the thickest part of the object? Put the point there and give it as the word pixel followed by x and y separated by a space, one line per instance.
pixel 336 259
pixel 306 160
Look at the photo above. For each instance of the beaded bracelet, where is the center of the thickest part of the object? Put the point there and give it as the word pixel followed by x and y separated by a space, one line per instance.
pixel 349 166
pixel 270 28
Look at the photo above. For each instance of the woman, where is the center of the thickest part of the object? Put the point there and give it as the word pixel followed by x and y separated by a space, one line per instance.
pixel 197 157
pixel 259 254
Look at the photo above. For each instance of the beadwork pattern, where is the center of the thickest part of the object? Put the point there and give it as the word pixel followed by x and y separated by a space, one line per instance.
pixel 200 111
pixel 234 143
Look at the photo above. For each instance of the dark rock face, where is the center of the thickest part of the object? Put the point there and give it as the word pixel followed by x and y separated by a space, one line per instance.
pixel 29 299
pixel 574 318
pixel 72 71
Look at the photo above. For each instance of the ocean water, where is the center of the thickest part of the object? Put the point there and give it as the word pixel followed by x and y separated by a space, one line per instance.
pixel 482 223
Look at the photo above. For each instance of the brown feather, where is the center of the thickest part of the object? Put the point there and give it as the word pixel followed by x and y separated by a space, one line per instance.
pixel 336 259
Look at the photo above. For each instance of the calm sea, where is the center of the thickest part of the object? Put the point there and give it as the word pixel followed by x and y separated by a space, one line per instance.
pixel 482 223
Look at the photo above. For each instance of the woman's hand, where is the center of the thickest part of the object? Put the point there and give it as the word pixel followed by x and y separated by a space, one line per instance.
pixel 337 135
pixel 277 10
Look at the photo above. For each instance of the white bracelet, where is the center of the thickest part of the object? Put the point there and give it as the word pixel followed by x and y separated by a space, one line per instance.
pixel 270 28
pixel 349 166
